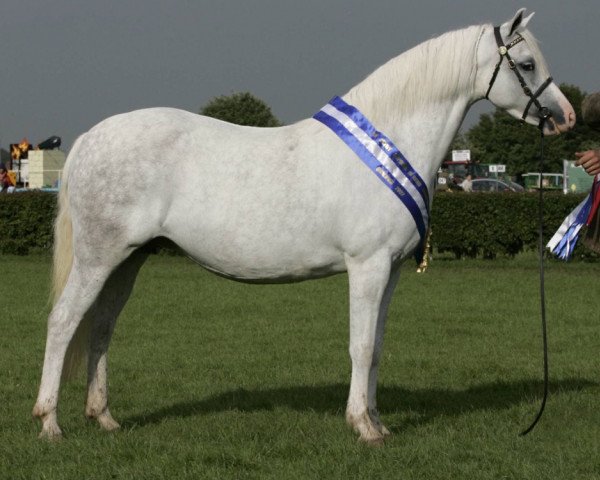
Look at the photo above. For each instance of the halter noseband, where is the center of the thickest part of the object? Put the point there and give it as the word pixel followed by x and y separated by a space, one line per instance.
pixel 544 113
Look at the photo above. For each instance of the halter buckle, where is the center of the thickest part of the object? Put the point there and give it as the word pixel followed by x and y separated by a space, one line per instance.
pixel 545 113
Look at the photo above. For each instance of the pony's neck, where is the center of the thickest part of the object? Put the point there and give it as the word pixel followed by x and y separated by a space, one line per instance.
pixel 420 98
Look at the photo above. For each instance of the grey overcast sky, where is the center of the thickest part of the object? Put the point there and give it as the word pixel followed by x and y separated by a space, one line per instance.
pixel 67 64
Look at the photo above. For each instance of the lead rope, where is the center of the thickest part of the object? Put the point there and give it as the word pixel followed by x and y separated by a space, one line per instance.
pixel 544 114
pixel 542 289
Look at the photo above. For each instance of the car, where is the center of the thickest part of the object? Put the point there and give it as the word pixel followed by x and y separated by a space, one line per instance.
pixel 495 185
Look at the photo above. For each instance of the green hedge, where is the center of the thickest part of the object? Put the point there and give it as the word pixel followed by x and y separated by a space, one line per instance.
pixel 491 224
pixel 466 224
pixel 26 222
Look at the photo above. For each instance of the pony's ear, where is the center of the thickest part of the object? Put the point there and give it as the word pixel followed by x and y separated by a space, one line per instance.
pixel 516 24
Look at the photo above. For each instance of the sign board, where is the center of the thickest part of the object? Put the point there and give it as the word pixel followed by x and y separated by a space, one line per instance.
pixel 575 178
pixel 498 168
pixel 461 155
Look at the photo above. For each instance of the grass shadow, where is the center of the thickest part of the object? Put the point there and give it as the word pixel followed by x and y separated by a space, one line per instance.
pixel 426 403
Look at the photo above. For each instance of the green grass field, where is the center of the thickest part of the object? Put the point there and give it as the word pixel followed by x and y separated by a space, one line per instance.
pixel 215 379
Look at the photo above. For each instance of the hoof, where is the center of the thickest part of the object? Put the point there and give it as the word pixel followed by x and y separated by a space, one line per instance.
pixel 107 422
pixel 51 432
pixel 381 428
pixel 50 428
pixel 105 419
pixel 368 433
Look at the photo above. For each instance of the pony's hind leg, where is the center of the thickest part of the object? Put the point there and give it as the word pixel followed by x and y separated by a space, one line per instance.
pixel 82 287
pixel 104 314
pixel 368 279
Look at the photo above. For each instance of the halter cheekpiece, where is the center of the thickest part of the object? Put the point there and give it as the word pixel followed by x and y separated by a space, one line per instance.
pixel 544 113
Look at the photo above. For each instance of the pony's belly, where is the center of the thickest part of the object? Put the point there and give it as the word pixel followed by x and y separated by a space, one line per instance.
pixel 255 275
pixel 275 269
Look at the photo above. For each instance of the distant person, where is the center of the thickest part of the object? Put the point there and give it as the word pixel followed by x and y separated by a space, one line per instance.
pixel 467 184
pixel 7 185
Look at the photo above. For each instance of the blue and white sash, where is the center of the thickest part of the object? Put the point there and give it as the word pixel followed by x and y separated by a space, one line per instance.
pixel 384 159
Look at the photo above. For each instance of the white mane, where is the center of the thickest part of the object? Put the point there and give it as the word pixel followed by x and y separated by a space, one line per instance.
pixel 441 68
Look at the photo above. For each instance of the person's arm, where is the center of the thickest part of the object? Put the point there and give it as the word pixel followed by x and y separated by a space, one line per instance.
pixel 589 160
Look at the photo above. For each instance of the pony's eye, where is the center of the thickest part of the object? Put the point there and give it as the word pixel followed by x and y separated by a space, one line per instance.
pixel 527 66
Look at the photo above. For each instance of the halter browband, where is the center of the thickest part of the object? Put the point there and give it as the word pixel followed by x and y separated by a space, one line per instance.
pixel 543 112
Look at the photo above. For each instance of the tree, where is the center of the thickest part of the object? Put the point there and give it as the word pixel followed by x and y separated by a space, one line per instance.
pixel 241 108
pixel 500 138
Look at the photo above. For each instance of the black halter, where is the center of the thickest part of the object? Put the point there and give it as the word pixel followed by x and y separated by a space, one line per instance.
pixel 544 113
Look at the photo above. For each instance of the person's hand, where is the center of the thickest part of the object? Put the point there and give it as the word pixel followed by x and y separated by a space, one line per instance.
pixel 589 160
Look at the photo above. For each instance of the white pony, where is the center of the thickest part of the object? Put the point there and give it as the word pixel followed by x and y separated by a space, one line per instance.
pixel 269 205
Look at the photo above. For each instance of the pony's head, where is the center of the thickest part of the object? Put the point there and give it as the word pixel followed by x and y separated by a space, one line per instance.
pixel 514 76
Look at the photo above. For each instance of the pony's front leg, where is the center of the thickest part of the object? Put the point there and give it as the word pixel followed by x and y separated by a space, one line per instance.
pixel 373 374
pixel 369 279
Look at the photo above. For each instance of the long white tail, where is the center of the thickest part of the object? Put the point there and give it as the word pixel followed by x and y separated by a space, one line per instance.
pixel 62 264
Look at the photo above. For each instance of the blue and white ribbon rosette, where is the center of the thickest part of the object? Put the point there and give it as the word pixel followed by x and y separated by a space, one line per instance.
pixel 565 239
